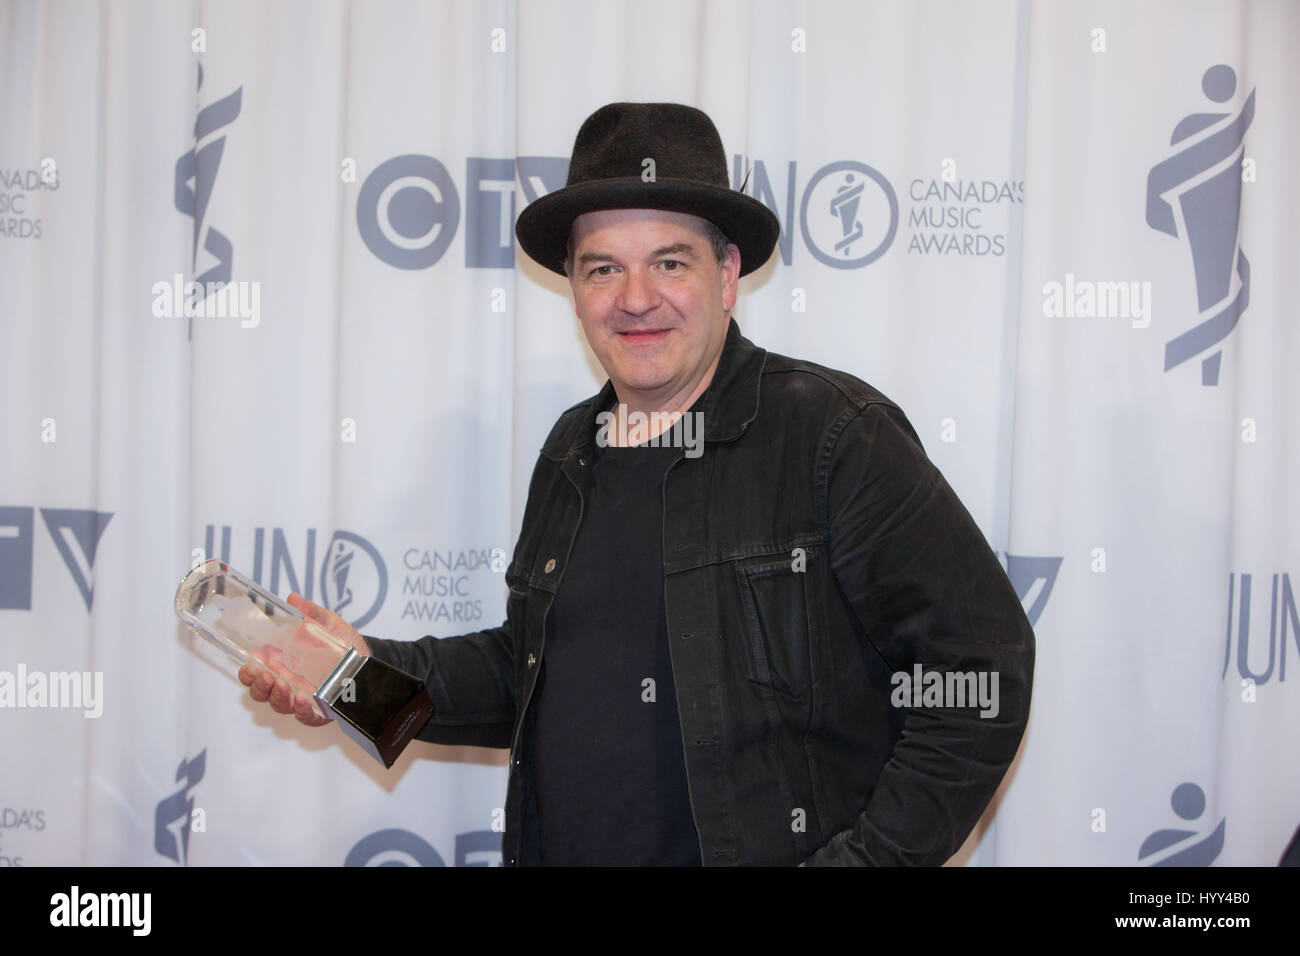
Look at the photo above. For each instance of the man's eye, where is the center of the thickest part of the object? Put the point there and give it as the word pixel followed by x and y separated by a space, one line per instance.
pixel 671 265
pixel 602 270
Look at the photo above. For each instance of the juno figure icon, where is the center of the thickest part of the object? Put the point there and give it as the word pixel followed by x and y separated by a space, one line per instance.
pixel 375 704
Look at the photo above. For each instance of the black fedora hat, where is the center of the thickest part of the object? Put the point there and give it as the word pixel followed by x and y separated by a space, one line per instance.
pixel 606 172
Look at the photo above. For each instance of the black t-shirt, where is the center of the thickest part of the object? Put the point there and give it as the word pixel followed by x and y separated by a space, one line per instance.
pixel 610 771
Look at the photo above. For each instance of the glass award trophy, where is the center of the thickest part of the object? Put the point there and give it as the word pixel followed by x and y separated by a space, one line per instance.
pixel 375 704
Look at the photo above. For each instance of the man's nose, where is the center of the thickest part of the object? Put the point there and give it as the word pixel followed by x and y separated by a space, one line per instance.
pixel 638 294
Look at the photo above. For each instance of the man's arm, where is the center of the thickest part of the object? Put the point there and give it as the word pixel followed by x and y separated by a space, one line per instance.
pixel 927 589
pixel 470 679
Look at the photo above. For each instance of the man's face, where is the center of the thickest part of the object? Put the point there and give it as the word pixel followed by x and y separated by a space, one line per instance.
pixel 653 301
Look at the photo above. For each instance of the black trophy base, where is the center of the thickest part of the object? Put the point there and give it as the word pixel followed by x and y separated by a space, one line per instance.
pixel 377 705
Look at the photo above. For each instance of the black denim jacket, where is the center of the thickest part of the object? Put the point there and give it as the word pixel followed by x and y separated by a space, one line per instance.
pixel 811 554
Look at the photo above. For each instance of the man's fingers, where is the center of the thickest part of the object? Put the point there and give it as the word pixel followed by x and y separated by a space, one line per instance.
pixel 313 611
pixel 306 638
pixel 303 710
pixel 266 688
pixel 262 685
pixel 280 698
pixel 333 623
pixel 279 685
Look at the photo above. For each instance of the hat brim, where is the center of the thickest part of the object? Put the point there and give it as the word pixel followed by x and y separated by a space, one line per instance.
pixel 543 227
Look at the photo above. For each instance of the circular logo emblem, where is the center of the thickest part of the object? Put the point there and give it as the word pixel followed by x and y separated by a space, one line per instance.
pixel 408 211
pixel 849 215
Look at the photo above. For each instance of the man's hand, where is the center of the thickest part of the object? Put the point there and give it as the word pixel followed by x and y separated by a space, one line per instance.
pixel 286 692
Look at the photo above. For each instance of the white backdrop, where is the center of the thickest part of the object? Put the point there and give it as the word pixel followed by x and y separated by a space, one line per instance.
pixel 1053 193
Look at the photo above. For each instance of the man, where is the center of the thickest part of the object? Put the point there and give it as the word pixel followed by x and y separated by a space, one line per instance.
pixel 710 638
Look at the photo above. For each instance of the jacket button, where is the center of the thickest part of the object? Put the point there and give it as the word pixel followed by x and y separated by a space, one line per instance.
pixel 550 566
pixel 532 659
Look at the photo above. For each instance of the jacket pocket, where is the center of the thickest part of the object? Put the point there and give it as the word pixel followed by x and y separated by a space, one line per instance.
pixel 779 623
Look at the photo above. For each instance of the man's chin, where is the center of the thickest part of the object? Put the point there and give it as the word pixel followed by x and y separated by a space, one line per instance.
pixel 646 385
pixel 643 374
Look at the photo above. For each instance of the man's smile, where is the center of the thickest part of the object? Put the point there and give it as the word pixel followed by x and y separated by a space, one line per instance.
pixel 644 335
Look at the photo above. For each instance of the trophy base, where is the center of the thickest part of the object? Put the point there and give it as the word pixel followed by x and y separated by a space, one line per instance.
pixel 377 705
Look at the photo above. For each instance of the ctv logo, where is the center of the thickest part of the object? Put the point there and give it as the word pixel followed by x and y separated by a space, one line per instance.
pixel 75 533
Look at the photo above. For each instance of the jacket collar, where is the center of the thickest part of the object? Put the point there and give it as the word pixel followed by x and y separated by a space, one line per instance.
pixel 728 404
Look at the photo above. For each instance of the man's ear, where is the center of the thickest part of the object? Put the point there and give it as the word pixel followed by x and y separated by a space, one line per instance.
pixel 731 277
